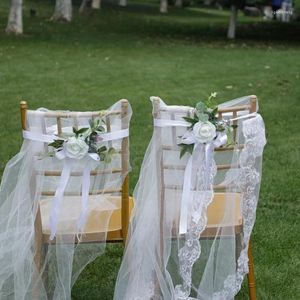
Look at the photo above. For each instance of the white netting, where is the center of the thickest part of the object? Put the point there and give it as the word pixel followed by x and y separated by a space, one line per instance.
pixel 31 266
pixel 208 261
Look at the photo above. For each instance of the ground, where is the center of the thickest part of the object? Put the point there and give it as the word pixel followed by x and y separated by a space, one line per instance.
pixel 134 53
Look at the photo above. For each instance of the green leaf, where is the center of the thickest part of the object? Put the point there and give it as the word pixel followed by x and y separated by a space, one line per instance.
pixel 190 148
pixel 182 151
pixel 234 126
pixel 102 149
pixel 190 120
pixel 79 131
pixel 56 143
pixel 102 156
pixel 229 136
pixel 93 148
pixel 215 110
pixel 82 130
pixel 101 128
pixel 203 117
pixel 200 107
pixel 186 149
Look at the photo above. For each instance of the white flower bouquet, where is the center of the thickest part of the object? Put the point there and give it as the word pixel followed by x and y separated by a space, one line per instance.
pixel 206 127
pixel 82 142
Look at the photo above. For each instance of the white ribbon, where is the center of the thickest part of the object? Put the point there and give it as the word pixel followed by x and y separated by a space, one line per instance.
pixel 86 179
pixel 39 137
pixel 49 138
pixel 166 122
pixel 187 194
pixel 189 173
pixel 66 172
pixel 58 197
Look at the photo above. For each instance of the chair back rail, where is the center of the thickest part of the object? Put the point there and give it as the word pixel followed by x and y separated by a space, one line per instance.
pixel 185 110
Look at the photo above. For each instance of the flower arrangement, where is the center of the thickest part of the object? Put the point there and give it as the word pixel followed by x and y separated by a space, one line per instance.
pixel 205 127
pixel 82 142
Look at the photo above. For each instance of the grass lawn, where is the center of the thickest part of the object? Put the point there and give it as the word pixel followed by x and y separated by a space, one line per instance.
pixel 134 53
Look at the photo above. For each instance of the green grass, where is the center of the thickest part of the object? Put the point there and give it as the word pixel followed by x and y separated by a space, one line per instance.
pixel 135 53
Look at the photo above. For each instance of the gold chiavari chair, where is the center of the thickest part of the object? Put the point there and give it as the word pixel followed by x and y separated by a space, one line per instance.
pixel 119 220
pixel 216 209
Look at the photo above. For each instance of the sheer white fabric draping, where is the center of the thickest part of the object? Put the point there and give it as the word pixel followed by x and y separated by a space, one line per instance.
pixel 210 260
pixel 24 188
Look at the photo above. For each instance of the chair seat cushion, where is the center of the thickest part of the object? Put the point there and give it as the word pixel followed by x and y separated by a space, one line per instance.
pixel 104 214
pixel 225 210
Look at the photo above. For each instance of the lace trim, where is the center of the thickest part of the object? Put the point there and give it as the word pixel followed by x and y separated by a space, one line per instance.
pixel 248 182
pixel 191 250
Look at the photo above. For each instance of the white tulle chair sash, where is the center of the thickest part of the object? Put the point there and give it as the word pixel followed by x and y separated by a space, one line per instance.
pixel 66 172
pixel 195 158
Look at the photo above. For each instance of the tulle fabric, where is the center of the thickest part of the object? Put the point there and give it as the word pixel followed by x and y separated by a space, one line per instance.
pixel 161 264
pixel 23 187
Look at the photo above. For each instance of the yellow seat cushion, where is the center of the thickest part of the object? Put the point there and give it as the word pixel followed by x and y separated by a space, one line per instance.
pixel 225 210
pixel 104 214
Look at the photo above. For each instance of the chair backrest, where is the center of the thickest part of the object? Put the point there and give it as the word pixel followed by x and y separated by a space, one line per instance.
pixel 59 117
pixel 177 112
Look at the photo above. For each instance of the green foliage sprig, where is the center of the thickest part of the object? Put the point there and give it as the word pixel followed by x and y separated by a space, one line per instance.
pixel 206 112
pixel 92 137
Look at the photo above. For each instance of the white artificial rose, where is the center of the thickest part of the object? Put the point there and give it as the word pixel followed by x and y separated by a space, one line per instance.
pixel 204 132
pixel 75 148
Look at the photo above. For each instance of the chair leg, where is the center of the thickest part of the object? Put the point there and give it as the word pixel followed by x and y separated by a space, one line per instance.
pixel 238 246
pixel 38 258
pixel 45 276
pixel 251 279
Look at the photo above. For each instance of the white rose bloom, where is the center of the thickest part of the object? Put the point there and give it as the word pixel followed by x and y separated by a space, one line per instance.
pixel 204 132
pixel 75 148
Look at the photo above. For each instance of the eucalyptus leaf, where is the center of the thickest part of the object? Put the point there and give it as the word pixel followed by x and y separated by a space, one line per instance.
pixel 93 148
pixel 101 150
pixel 182 151
pixel 190 120
pixel 56 144
pixel 203 117
pixel 101 128
pixel 229 136
pixel 82 130
pixel 190 148
pixel 200 107
pixel 186 149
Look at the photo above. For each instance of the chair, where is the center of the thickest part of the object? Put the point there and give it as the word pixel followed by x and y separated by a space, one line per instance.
pixel 216 208
pixel 119 220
